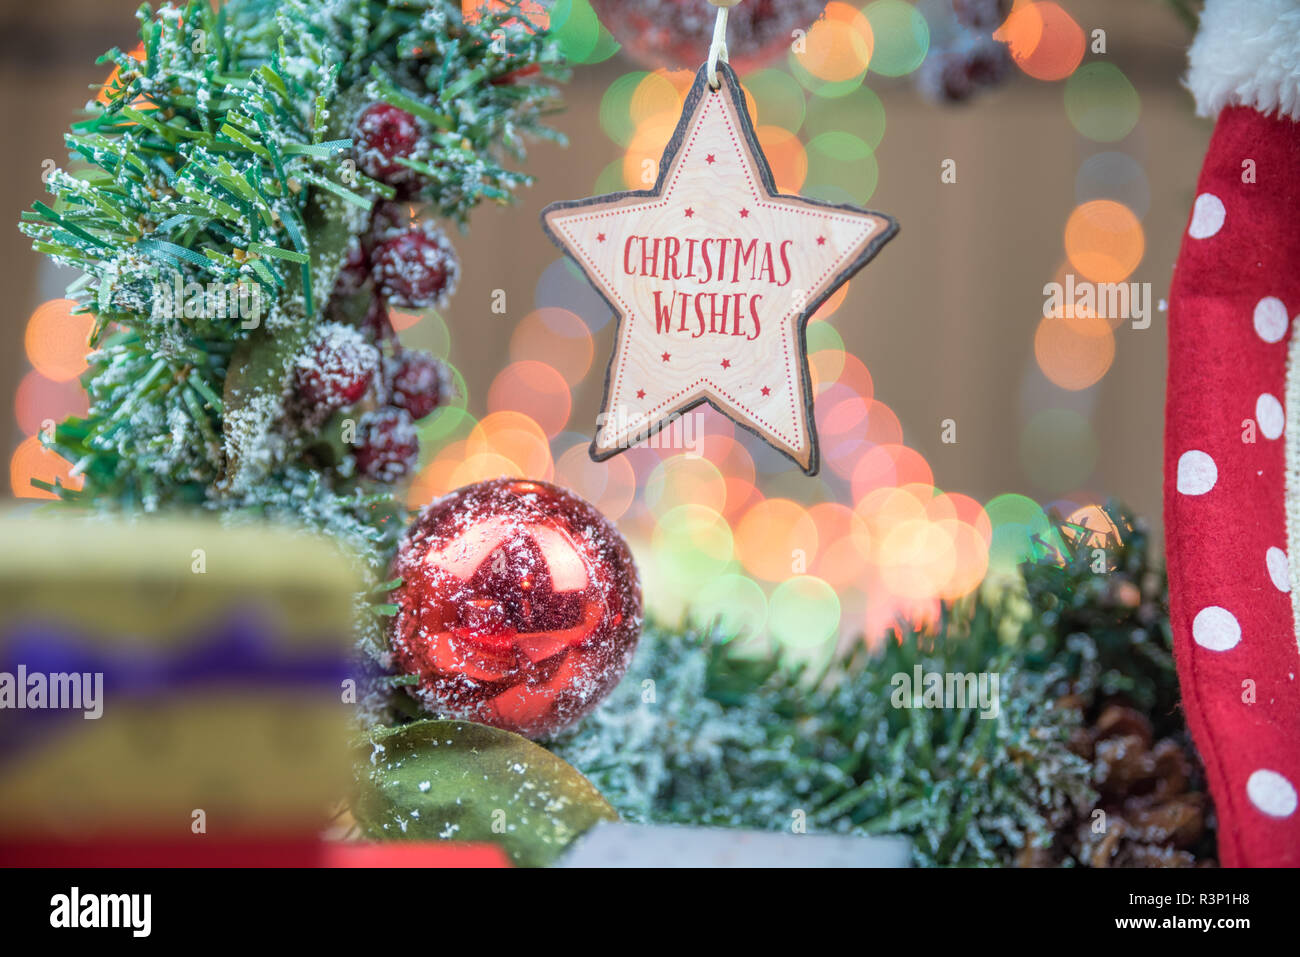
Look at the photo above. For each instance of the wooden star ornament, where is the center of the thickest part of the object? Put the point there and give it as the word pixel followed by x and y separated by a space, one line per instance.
pixel 713 276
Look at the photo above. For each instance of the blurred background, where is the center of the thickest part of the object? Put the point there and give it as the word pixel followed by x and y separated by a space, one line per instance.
pixel 953 415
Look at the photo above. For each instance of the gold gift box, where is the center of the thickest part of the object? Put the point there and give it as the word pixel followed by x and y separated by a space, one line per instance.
pixel 224 654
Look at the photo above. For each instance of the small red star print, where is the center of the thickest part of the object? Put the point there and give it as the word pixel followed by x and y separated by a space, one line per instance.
pixel 710 159
pixel 726 363
pixel 766 391
pixel 744 214
pixel 600 237
pixel 666 357
pixel 689 212
pixel 821 240
pixel 640 393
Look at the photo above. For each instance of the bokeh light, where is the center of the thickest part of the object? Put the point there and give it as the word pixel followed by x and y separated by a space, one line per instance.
pixel 40 400
pixel 1058 449
pixel 57 341
pixel 902 36
pixel 838 47
pixel 1101 102
pixel 1045 41
pixel 776 538
pixel 533 388
pixel 735 604
pixel 1074 351
pixel 1104 240
pixel 556 337
pixel 803 613
pixel 32 460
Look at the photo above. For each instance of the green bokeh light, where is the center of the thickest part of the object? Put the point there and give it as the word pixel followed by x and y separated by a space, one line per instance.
pixel 430 334
pixel 1017 521
pixel 1058 449
pixel 616 107
pixel 803 613
pixel 449 424
pixel 611 179
pixel 1101 102
pixel 845 164
pixel 859 113
pixel 823 88
pixel 735 603
pixel 575 28
pixel 692 545
pixel 822 335
pixel 902 37
pixel 779 99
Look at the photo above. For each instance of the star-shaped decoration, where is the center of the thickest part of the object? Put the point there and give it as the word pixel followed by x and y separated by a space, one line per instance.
pixel 821 240
pixel 640 393
pixel 744 214
pixel 714 284
pixel 710 159
pixel 600 237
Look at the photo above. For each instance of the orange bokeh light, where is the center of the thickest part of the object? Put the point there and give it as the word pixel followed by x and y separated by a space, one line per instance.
pixel 833 302
pixel 1044 40
pixel 40 400
pixel 32 460
pixel 535 389
pixel 516 437
pixel 557 337
pixel 786 155
pixel 1074 352
pixel 57 341
pixel 1104 240
pixel 838 46
pixel 774 538
pixel 609 485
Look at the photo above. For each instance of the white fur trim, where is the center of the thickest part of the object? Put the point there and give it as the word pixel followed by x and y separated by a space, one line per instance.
pixel 1293 480
pixel 1247 53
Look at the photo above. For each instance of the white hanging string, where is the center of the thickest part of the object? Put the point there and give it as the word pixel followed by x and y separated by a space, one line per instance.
pixel 718 49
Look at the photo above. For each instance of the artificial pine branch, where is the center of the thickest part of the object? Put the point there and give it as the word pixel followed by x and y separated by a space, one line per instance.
pixel 220 153
pixel 738 740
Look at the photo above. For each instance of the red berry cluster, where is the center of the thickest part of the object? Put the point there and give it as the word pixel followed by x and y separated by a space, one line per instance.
pixel 964 58
pixel 400 262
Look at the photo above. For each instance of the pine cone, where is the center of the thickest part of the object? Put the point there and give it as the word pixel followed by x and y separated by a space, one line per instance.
pixel 1153 812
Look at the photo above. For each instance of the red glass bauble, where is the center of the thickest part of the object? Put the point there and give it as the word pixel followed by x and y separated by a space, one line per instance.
pixel 520 606
pixel 677 33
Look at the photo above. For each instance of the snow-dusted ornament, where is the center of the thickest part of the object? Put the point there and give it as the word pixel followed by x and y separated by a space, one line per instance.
pixel 520 606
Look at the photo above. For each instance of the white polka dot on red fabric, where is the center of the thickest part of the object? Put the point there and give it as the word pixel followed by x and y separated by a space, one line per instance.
pixel 1216 628
pixel 1270 319
pixel 1197 473
pixel 1279 568
pixel 1271 793
pixel 1269 415
pixel 1207 216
